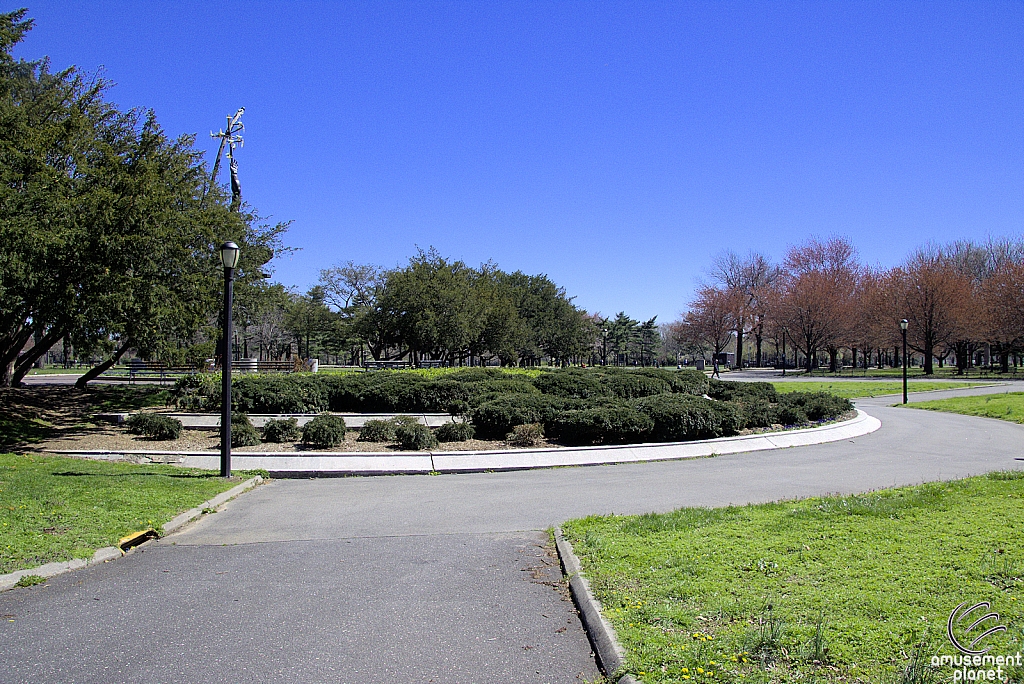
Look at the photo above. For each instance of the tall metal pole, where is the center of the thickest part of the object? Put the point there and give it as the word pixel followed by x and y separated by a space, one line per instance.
pixel 903 326
pixel 783 352
pixel 225 417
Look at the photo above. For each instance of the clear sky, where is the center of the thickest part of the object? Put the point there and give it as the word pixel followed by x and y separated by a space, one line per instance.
pixel 616 147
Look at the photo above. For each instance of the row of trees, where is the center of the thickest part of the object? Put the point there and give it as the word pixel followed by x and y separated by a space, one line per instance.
pixel 959 299
pixel 109 229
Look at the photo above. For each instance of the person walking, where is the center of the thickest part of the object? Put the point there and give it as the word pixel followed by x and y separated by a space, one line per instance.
pixel 716 374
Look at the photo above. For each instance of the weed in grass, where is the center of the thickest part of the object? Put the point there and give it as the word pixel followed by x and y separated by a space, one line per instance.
pixel 29 581
pixel 919 669
pixel 765 641
pixel 1000 570
pixel 816 649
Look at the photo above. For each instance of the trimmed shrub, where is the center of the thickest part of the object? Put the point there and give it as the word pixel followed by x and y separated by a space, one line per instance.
pixel 477 374
pixel 387 391
pixel 277 393
pixel 727 390
pixel 496 418
pixel 636 385
pixel 755 413
pixel 817 405
pixel 324 431
pixel 687 381
pixel 526 435
pixel 729 419
pixel 454 432
pixel 197 392
pixel 486 390
pixel 415 437
pixel 280 431
pixel 243 433
pixel 155 426
pixel 791 415
pixel 377 431
pixel 615 425
pixel 570 384
pixel 681 417
pixel 441 395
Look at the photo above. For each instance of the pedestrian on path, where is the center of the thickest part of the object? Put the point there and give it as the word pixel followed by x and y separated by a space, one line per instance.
pixel 716 374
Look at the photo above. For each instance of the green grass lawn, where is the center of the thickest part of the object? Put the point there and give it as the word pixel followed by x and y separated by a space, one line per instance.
pixel 838 589
pixel 1008 406
pixel 852 390
pixel 949 372
pixel 57 509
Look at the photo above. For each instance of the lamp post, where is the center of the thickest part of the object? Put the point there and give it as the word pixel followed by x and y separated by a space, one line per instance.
pixel 604 347
pixel 903 328
pixel 229 253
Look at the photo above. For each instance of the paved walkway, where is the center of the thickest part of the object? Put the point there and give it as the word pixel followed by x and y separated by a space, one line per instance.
pixel 421 578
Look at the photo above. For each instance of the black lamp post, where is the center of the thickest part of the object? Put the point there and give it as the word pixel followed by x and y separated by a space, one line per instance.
pixel 903 328
pixel 604 347
pixel 229 253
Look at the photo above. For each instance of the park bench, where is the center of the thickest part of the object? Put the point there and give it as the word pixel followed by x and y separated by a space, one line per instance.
pixel 138 369
pixel 386 365
pixel 430 363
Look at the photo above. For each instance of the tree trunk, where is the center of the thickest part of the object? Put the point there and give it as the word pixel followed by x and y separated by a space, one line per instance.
pixel 26 362
pixel 8 358
pixel 739 347
pixel 929 351
pixel 95 371
pixel 758 337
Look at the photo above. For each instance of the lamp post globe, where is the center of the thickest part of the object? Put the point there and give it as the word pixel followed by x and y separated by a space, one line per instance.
pixel 903 329
pixel 229 255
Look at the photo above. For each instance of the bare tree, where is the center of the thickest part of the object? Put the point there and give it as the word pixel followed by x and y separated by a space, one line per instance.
pixel 748 280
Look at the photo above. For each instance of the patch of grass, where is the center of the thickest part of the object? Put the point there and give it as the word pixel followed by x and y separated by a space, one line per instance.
pixel 29 581
pixel 833 589
pixel 113 398
pixel 16 430
pixel 57 509
pixel 1008 406
pixel 852 390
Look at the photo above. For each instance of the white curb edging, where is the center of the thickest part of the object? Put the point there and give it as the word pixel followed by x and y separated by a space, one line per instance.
pixel 109 553
pixel 610 655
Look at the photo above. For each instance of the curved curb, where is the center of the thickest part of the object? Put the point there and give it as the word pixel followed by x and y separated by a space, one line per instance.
pixel 109 553
pixel 316 464
pixel 611 657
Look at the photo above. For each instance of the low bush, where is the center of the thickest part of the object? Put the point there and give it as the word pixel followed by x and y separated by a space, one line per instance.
pixel 755 413
pixel 728 416
pixel 636 385
pixel 687 381
pixel 681 417
pixel 606 425
pixel 481 392
pixel 497 417
pixel 790 415
pixel 441 395
pixel 377 431
pixel 197 392
pixel 279 393
pixel 324 431
pixel 526 435
pixel 571 383
pixel 243 433
pixel 727 390
pixel 415 437
pixel 155 426
pixel 454 432
pixel 817 406
pixel 280 431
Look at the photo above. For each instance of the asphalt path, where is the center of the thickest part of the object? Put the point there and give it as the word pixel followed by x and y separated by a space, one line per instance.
pixel 422 578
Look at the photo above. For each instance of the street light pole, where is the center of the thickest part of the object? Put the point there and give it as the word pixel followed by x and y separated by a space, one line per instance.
pixel 229 253
pixel 783 352
pixel 903 328
pixel 604 347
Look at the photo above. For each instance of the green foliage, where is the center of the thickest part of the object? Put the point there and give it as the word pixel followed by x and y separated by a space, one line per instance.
pixel 280 431
pixel 29 580
pixel 681 417
pixel 415 437
pixel 727 390
pixel 757 413
pixel 455 432
pixel 527 435
pixel 324 432
pixel 156 426
pixel 279 393
pixel 817 406
pixel 197 392
pixel 571 383
pixel 243 433
pixel 496 418
pixel 377 431
pixel 87 504
pixel 604 425
pixel 635 385
pixel 686 381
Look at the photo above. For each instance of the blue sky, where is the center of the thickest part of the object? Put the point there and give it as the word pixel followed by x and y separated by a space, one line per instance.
pixel 616 147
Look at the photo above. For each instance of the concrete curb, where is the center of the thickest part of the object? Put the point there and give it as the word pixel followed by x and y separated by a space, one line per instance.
pixel 611 657
pixel 109 553
pixel 326 464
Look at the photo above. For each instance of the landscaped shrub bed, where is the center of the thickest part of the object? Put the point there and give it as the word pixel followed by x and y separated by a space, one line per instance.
pixel 572 406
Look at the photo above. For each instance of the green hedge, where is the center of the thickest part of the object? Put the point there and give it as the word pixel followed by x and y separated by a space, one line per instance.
pixel 603 402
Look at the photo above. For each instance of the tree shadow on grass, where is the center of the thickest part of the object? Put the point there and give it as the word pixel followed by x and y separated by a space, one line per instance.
pixel 183 476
